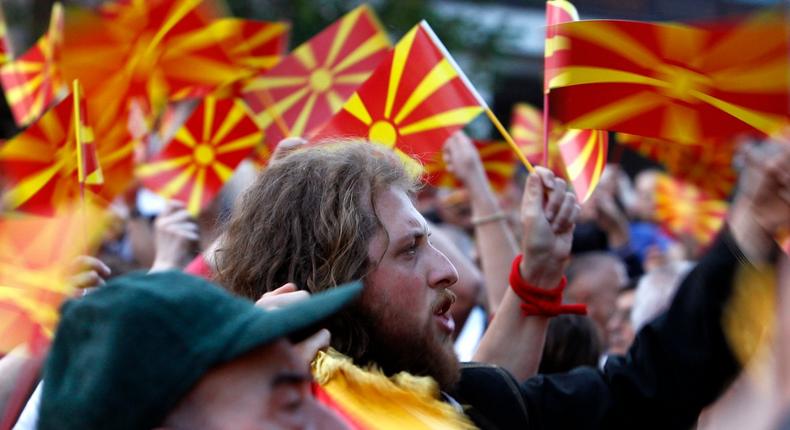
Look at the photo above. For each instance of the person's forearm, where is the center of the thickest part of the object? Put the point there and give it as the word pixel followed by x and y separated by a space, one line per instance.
pixel 514 341
pixel 495 241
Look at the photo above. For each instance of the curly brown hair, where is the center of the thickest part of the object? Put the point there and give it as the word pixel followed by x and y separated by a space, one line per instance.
pixel 308 219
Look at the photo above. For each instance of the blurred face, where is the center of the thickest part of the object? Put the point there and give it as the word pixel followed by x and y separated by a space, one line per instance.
pixel 406 302
pixel 619 328
pixel 268 388
pixel 644 190
pixel 598 290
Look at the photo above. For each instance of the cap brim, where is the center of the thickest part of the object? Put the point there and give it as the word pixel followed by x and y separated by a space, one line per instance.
pixel 296 320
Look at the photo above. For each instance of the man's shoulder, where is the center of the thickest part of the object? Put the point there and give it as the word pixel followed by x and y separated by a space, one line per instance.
pixel 491 395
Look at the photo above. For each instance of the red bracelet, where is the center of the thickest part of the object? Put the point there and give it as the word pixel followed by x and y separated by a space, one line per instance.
pixel 540 301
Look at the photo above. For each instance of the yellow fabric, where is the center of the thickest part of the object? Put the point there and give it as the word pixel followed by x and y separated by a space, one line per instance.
pixel 399 402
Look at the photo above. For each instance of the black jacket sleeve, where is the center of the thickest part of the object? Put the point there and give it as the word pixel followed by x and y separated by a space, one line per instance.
pixel 678 364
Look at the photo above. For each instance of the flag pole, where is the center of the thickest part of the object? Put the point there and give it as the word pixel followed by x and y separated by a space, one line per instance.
pixel 490 114
pixel 76 116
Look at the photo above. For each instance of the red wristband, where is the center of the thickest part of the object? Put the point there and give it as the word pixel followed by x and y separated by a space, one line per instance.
pixel 540 301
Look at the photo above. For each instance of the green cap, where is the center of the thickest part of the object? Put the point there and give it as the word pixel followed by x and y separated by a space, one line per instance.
pixel 125 355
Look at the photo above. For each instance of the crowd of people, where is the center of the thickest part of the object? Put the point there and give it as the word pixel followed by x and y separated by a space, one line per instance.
pixel 334 275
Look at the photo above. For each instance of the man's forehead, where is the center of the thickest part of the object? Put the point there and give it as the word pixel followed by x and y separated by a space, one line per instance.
pixel 399 215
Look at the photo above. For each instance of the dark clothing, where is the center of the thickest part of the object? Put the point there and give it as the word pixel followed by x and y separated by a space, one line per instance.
pixel 678 364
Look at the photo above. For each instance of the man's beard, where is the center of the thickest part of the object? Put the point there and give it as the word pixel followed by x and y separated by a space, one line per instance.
pixel 423 354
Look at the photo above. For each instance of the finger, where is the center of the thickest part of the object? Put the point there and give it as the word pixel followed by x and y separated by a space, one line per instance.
pixel 183 227
pixel 85 263
pixel 309 347
pixel 532 200
pixel 192 236
pixel 565 218
pixel 178 216
pixel 547 176
pixel 290 287
pixel 286 146
pixel 88 279
pixel 277 301
pixel 556 198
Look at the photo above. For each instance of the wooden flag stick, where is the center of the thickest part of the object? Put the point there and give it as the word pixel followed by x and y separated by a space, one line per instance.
pixel 509 139
pixel 494 120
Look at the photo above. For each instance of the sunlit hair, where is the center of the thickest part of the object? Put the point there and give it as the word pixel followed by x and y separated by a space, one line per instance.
pixel 308 219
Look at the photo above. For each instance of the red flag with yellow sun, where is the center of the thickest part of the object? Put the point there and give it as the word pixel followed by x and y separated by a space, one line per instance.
pixel 412 103
pixel 256 46
pixel 152 50
pixel 685 210
pixel 708 164
pixel 302 92
pixel 41 166
pixel 576 155
pixel 32 82
pixel 526 128
pixel 203 153
pixel 584 154
pixel 671 81
pixel 37 255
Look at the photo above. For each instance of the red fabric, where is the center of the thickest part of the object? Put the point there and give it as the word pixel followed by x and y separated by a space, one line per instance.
pixel 199 267
pixel 540 301
pixel 324 398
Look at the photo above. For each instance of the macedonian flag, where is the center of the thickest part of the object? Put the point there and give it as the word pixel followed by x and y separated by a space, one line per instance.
pixel 584 155
pixel 254 45
pixel 154 50
pixel 302 92
pixel 32 82
pixel 672 81
pixel 36 259
pixel 41 168
pixel 413 102
pixel 203 153
pixel 499 163
pixel 526 127
pixel 557 12
pixel 88 167
pixel 576 155
pixel 708 164
pixel 686 211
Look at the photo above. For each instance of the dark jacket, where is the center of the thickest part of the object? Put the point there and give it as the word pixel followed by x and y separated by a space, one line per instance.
pixel 678 364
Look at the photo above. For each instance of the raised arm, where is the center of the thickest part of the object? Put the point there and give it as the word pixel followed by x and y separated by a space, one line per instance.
pixel 515 338
pixel 681 361
pixel 495 241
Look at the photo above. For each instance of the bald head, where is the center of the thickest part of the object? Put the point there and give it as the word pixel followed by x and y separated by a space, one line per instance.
pixel 594 279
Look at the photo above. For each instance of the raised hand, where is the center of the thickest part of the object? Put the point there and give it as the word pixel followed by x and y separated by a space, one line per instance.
pixel 88 272
pixel 548 215
pixel 176 234
pixel 463 161
pixel 762 206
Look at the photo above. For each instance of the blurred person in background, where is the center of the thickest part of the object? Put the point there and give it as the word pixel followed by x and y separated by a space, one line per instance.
pixel 620 328
pixel 595 278
pixel 655 290
pixel 571 341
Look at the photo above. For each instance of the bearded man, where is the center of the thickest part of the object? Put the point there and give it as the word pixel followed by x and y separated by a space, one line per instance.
pixel 327 214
